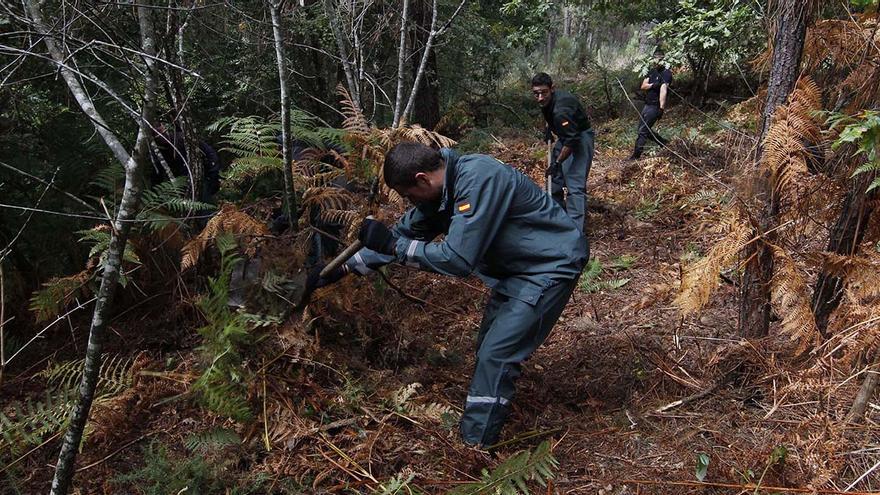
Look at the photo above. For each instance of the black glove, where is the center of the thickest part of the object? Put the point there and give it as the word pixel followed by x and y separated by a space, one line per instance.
pixel 548 136
pixel 316 281
pixel 376 236
pixel 552 169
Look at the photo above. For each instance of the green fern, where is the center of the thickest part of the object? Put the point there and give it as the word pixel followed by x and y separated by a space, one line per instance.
pixel 100 238
pixel 162 203
pixel 207 441
pixel 222 384
pixel 255 145
pixel 590 278
pixel 109 179
pixel 114 377
pixel 511 476
pixel 399 483
pixel 30 422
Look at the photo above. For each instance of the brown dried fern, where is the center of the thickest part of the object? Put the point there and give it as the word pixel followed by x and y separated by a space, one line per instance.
pixel 228 220
pixel 699 280
pixel 794 127
pixel 790 297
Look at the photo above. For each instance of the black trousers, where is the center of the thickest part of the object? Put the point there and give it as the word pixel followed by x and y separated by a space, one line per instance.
pixel 649 116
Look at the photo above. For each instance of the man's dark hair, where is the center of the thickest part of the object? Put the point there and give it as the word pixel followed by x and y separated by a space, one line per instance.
pixel 405 160
pixel 542 79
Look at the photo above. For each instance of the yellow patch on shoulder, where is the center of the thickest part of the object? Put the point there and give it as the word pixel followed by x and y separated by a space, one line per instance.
pixel 564 123
pixel 464 207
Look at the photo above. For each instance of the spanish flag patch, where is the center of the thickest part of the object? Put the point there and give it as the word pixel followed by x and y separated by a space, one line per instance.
pixel 464 207
pixel 564 123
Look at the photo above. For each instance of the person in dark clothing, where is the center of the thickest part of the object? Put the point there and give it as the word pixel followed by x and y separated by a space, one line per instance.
pixel 173 151
pixel 572 154
pixel 498 224
pixel 656 87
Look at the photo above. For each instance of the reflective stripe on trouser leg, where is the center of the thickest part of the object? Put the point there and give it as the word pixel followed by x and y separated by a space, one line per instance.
pixel 513 333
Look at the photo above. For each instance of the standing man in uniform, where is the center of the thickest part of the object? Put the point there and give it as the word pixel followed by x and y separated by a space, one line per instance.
pixel 656 86
pixel 497 223
pixel 572 155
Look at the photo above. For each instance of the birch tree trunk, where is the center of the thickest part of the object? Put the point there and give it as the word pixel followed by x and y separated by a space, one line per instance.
pixel 286 138
pixel 350 78
pixel 121 225
pixel 191 154
pixel 788 45
pixel 401 63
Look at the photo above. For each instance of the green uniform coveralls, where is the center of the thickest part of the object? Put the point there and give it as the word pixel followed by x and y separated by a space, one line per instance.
pixel 567 119
pixel 499 224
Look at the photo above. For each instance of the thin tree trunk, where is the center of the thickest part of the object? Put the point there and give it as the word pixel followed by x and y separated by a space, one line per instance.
pixel 287 139
pixel 866 391
pixel 192 155
pixel 427 112
pixel 788 44
pixel 333 17
pixel 401 63
pixel 846 235
pixel 121 225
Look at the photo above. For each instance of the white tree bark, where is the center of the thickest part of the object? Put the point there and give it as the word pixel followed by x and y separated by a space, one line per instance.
pixel 428 46
pixel 347 66
pixel 401 64
pixel 121 225
pixel 287 139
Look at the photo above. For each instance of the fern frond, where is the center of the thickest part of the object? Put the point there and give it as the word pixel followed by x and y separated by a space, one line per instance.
pixel 327 198
pixel 228 220
pixel 790 297
pixel 793 129
pixel 700 279
pixel 57 294
pixel 114 376
pixel 355 123
pixel 109 179
pixel 860 273
pixel 210 440
pixel 510 477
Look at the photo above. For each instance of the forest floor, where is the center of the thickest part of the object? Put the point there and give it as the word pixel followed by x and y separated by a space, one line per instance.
pixel 371 382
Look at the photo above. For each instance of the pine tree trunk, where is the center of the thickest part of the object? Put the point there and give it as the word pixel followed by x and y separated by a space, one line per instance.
pixel 286 137
pixel 127 211
pixel 846 235
pixel 788 44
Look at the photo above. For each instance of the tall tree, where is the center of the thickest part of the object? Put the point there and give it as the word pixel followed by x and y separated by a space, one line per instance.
pixel 275 7
pixel 121 225
pixel 427 112
pixel 788 44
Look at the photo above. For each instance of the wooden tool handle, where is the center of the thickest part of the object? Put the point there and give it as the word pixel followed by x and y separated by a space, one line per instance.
pixel 548 181
pixel 343 257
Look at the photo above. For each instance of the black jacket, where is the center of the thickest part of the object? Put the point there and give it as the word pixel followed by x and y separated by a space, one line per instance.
pixel 566 117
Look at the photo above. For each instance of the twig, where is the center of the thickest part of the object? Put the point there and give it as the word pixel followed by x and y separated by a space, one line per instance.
pixel 856 482
pixel 746 487
pixel 120 449
pixel 691 398
pixel 525 436
pixel 13 463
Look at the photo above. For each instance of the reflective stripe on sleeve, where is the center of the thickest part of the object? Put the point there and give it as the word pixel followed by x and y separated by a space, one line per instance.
pixel 410 252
